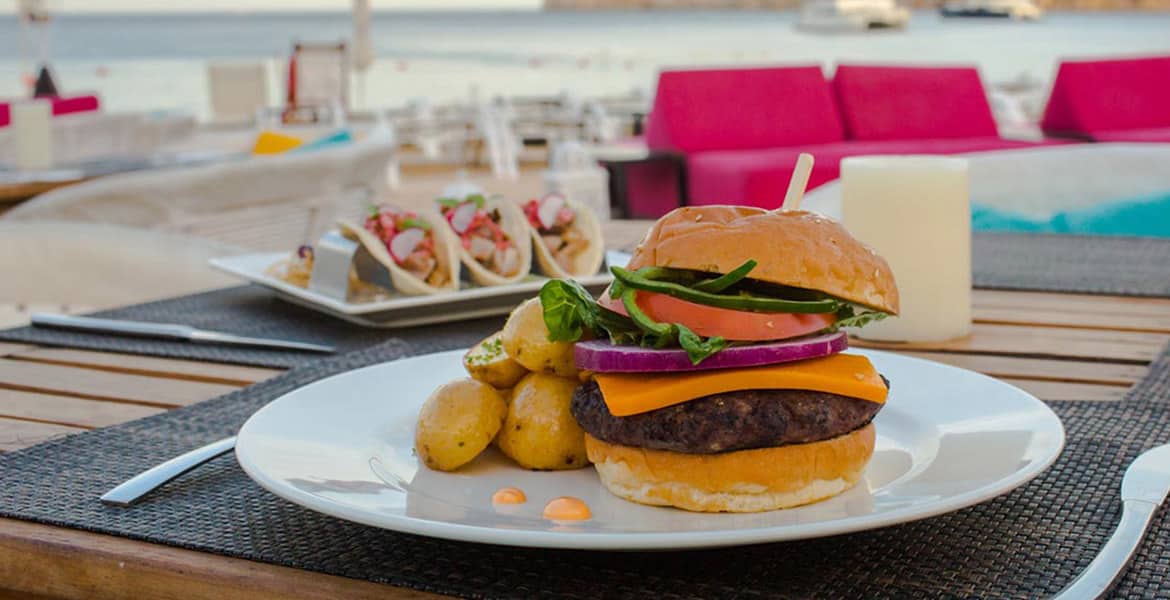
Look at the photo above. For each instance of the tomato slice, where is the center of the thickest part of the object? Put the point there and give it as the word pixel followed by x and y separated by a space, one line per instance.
pixel 710 321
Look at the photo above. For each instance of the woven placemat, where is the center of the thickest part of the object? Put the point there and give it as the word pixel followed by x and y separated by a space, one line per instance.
pixel 1025 544
pixel 1127 266
pixel 249 310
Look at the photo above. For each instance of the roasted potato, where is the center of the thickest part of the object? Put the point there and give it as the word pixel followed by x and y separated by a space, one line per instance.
pixel 457 422
pixel 488 362
pixel 539 431
pixel 525 338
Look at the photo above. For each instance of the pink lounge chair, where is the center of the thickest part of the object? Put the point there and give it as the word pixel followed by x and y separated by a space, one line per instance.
pixel 1120 100
pixel 739 131
pixel 61 106
pixel 729 122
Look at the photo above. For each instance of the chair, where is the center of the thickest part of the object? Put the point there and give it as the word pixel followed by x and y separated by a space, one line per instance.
pixel 1116 100
pixel 268 202
pixel 237 91
pixel 318 82
pixel 77 267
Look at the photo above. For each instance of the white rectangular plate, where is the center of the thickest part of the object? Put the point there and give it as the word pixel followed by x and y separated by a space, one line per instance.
pixel 402 311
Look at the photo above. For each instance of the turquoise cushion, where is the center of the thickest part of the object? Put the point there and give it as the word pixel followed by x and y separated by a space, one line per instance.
pixel 342 136
pixel 1148 216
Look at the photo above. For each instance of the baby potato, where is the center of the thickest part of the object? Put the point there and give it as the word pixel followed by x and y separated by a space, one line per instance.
pixel 457 422
pixel 488 362
pixel 539 431
pixel 525 338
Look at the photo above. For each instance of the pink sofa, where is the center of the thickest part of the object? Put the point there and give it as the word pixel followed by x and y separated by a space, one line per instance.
pixel 1121 100
pixel 61 106
pixel 740 130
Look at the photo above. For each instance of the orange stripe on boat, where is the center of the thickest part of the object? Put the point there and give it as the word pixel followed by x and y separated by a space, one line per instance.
pixel 848 375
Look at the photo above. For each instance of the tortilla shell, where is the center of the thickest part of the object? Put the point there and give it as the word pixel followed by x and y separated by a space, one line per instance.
pixel 514 223
pixel 586 263
pixel 446 254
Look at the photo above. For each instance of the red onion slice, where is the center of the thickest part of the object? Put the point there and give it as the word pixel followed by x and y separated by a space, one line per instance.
pixel 603 357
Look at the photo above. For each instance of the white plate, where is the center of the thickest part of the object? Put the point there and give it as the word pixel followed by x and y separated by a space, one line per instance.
pixel 402 311
pixel 946 439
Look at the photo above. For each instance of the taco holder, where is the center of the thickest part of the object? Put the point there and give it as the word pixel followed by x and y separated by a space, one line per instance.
pixel 334 257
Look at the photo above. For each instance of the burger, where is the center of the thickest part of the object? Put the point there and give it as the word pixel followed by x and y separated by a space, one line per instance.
pixel 713 373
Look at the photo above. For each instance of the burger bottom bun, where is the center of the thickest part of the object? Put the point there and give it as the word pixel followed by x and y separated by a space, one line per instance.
pixel 743 481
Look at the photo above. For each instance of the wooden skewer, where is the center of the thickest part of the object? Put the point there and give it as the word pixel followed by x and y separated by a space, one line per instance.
pixel 799 181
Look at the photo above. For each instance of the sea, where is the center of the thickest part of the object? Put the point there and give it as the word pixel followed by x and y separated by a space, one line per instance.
pixel 158 62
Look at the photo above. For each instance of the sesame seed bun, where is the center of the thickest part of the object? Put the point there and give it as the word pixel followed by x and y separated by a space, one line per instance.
pixel 794 248
pixel 742 481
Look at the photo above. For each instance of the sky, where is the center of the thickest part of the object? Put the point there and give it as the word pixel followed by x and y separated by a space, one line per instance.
pixel 8 6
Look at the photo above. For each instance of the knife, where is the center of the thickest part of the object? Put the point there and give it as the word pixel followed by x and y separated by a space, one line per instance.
pixel 167 331
pixel 1143 489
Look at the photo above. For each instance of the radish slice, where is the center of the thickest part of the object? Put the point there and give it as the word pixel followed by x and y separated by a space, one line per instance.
pixel 603 357
pixel 405 242
pixel 462 217
pixel 550 207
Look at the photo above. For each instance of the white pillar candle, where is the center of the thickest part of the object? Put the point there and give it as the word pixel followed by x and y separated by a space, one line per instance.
pixel 915 211
pixel 32 130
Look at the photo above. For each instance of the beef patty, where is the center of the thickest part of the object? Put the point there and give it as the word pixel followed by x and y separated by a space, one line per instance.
pixel 727 421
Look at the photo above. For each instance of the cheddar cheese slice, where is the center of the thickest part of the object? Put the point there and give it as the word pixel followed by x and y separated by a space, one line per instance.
pixel 842 374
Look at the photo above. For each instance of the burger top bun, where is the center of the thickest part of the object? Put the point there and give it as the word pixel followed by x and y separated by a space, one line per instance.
pixel 793 248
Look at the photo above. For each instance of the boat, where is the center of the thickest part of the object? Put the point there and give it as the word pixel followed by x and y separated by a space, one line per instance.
pixel 851 15
pixel 1019 10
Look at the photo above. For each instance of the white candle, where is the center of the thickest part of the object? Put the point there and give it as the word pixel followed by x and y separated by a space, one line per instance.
pixel 32 130
pixel 916 212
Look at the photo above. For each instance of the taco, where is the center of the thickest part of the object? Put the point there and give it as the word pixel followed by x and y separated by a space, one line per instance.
pixel 493 239
pixel 417 249
pixel 566 236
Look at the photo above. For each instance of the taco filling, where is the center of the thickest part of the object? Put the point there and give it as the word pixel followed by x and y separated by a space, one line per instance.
pixel 296 269
pixel 409 240
pixel 481 235
pixel 555 223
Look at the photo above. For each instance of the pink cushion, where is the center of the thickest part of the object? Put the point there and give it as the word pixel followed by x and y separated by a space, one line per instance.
pixel 1134 135
pixel 61 106
pixel 904 103
pixel 1091 97
pixel 76 104
pixel 760 177
pixel 737 109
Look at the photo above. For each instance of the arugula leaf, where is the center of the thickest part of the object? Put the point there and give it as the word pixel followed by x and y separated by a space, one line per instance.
pixel 448 202
pixel 568 310
pixel 862 319
pixel 373 210
pixel 620 328
pixel 856 316
pixel 698 348
pixel 478 199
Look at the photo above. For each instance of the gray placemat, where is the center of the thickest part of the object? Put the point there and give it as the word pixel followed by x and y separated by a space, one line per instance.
pixel 1127 266
pixel 1023 545
pixel 248 310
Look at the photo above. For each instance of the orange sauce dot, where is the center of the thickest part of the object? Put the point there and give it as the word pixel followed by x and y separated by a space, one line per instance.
pixel 509 495
pixel 567 508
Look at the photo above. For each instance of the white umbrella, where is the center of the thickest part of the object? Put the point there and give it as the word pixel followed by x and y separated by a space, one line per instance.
pixel 363 49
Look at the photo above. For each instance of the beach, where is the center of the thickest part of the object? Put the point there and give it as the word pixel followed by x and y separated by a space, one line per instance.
pixel 149 62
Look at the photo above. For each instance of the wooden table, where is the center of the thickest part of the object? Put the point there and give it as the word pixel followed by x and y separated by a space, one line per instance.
pixel 1057 346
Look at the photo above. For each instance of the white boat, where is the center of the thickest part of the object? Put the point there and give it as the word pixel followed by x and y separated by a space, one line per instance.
pixel 1020 10
pixel 851 15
